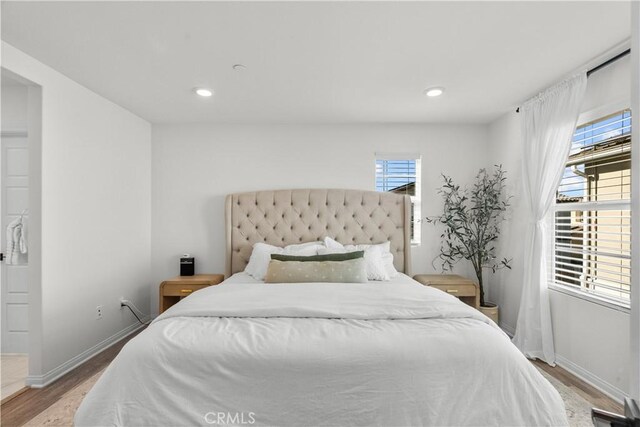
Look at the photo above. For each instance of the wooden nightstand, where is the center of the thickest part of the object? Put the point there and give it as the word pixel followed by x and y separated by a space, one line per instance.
pixel 172 290
pixel 464 289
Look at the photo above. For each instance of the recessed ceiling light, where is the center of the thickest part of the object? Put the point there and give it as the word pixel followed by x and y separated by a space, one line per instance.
pixel 239 67
pixel 203 92
pixel 434 91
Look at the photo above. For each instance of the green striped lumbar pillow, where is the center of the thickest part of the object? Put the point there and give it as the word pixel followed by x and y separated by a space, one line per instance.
pixel 347 271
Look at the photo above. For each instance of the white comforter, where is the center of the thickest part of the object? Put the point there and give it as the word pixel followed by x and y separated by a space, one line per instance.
pixel 316 354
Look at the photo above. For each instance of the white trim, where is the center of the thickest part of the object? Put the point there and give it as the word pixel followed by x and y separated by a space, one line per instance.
pixel 611 205
pixel 416 199
pixel 14 133
pixel 592 298
pixel 397 156
pixel 39 381
pixel 634 378
pixel 603 111
pixel 610 390
pixel 417 205
pixel 616 205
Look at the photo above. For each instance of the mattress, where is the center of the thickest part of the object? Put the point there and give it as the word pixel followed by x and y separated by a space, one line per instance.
pixel 324 354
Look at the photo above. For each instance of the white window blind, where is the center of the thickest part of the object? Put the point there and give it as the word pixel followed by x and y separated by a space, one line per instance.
pixel 592 222
pixel 400 173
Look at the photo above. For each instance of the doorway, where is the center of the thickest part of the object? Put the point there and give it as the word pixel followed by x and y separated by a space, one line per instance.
pixel 14 219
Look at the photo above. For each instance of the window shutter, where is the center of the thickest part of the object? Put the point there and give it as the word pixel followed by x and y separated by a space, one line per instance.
pixel 400 173
pixel 592 226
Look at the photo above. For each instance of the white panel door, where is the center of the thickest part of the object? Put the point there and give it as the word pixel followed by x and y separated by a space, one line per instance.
pixel 15 289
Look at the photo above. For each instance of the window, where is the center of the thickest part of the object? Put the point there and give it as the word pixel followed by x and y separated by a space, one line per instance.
pixel 400 173
pixel 592 227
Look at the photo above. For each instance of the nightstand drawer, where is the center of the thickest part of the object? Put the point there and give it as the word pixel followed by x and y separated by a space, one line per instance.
pixel 173 290
pixel 459 290
pixel 460 287
pixel 181 289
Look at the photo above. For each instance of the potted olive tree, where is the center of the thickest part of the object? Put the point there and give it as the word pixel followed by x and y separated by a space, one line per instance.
pixel 472 219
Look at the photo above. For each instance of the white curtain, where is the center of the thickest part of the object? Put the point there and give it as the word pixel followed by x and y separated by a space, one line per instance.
pixel 548 123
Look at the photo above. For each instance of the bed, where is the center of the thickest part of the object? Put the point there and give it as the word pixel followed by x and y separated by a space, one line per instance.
pixel 391 353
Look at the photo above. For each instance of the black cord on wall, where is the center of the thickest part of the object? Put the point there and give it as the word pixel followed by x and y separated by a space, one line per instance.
pixel 126 303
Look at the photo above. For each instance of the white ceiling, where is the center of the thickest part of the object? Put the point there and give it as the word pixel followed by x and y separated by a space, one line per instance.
pixel 315 62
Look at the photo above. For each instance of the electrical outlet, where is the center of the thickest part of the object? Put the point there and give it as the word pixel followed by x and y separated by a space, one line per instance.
pixel 99 312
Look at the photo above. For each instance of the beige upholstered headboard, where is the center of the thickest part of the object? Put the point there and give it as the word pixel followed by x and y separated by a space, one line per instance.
pixel 285 217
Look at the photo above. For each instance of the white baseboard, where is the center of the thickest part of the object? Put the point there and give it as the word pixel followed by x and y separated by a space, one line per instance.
pixel 610 390
pixel 39 381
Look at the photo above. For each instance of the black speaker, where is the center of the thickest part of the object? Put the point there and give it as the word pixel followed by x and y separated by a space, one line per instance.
pixel 187 265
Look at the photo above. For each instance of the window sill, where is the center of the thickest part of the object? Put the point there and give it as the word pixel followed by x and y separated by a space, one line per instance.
pixel 614 305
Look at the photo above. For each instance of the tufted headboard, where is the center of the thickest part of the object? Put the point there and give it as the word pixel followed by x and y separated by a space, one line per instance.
pixel 285 217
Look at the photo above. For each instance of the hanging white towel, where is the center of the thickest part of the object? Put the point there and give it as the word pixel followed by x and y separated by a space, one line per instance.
pixel 14 232
pixel 23 235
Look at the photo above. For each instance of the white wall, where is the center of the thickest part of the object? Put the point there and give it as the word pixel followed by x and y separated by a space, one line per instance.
pixel 195 166
pixel 505 287
pixel 14 107
pixel 95 227
pixel 591 340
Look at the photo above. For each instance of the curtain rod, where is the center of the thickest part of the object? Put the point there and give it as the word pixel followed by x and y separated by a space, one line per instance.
pixel 601 66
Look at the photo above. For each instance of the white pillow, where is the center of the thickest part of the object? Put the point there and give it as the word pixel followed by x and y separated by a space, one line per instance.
pixel 303 249
pixel 261 255
pixel 385 248
pixel 373 257
pixel 387 260
pixel 338 247
pixel 387 256
pixel 259 260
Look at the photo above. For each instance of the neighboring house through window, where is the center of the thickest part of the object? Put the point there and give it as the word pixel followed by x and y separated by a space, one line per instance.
pixel 400 173
pixel 592 227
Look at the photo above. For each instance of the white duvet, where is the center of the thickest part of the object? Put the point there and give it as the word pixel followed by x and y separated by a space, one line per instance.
pixel 321 354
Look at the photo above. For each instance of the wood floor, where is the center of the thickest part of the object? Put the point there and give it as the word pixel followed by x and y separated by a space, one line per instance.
pixel 25 406
pixel 592 395
pixel 14 369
